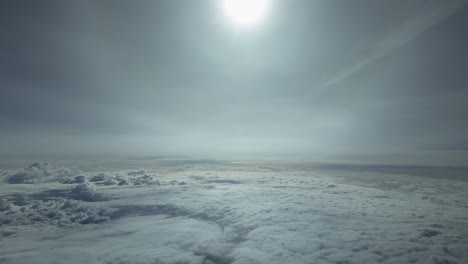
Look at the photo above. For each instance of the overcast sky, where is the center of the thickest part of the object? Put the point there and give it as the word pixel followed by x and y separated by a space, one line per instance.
pixel 175 77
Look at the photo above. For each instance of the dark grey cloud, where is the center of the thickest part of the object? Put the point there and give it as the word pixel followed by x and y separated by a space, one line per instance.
pixel 165 77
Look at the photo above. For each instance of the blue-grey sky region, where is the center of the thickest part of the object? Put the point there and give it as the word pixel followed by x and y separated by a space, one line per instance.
pixel 323 78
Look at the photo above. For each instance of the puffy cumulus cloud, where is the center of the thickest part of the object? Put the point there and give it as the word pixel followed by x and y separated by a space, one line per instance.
pixel 77 179
pixel 39 173
pixel 54 212
pixel 136 172
pixel 86 192
pixel 45 173
pixel 138 177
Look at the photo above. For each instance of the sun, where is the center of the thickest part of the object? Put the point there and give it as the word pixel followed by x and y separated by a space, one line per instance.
pixel 245 13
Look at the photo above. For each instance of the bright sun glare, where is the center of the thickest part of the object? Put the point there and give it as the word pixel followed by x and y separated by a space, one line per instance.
pixel 245 12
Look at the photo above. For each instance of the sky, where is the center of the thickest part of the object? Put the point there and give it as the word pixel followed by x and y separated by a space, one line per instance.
pixel 358 79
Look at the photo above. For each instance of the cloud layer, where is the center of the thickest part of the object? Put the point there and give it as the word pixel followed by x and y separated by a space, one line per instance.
pixel 243 213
